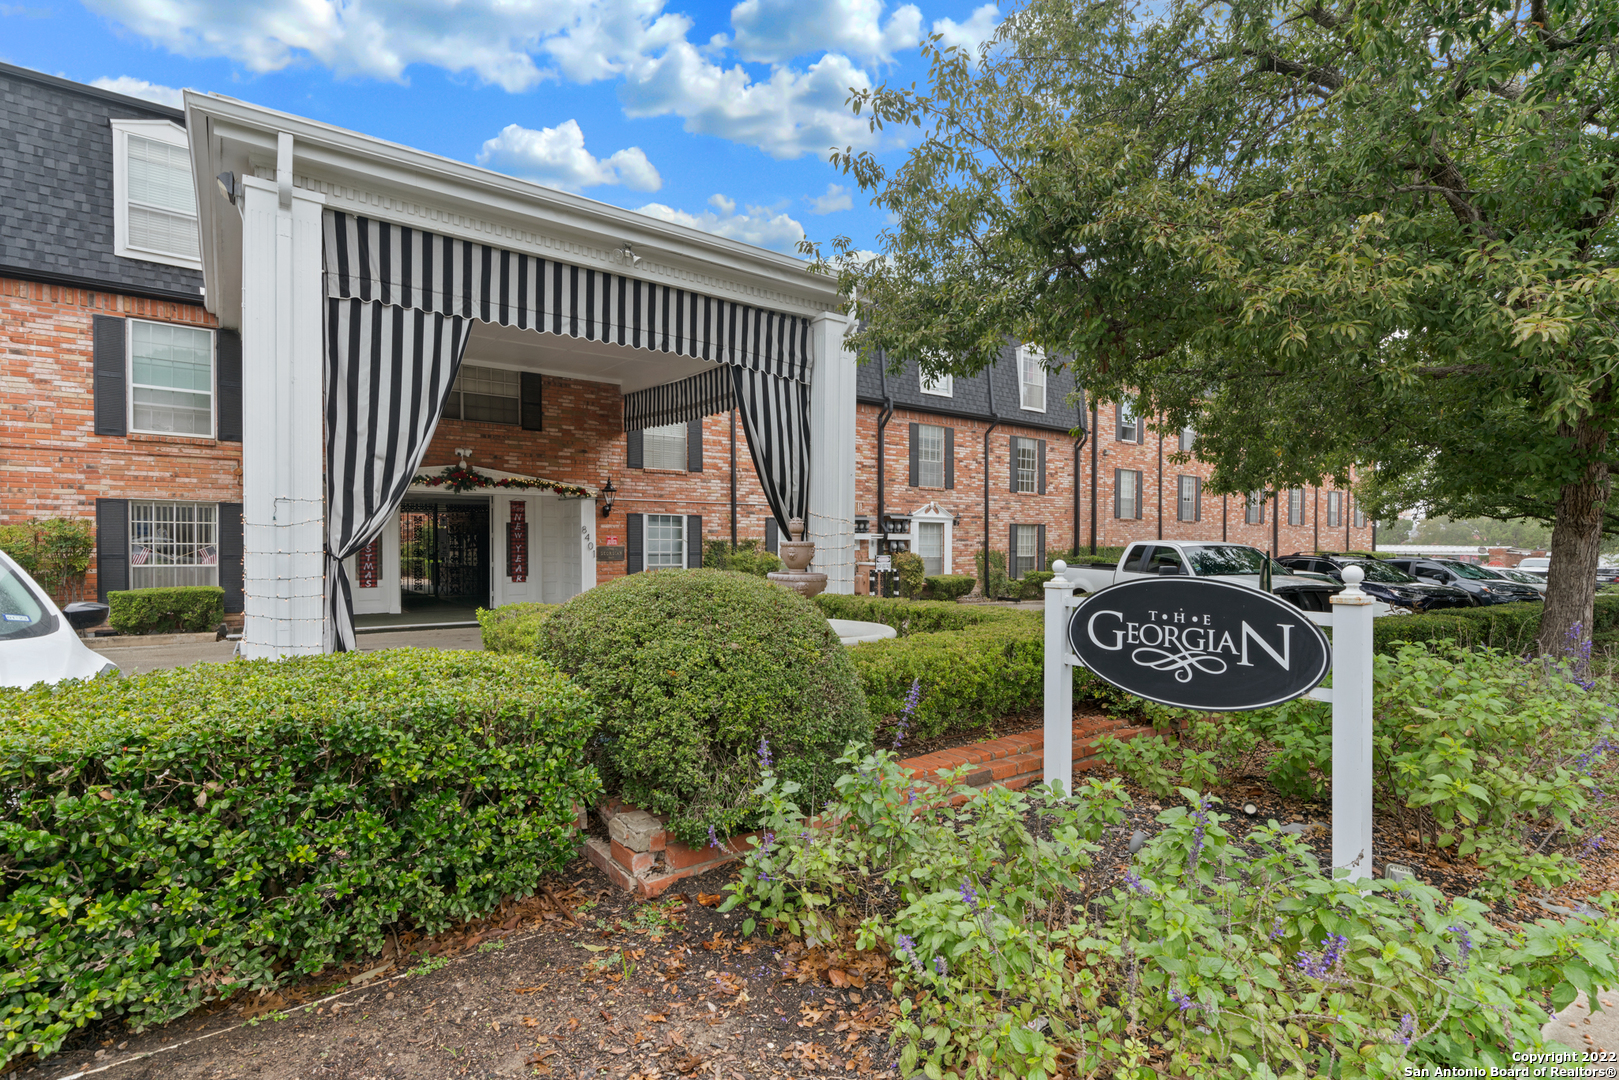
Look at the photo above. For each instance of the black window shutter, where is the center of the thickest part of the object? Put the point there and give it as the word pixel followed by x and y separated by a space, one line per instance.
pixel 1118 423
pixel 772 535
pixel 1040 547
pixel 634 552
pixel 230 555
pixel 632 450
pixel 112 546
pixel 228 378
pixel 949 457
pixel 107 336
pixel 1040 466
pixel 1013 443
pixel 1118 504
pixel 694 539
pixel 531 407
pixel 1011 551
pixel 1197 498
pixel 1139 499
pixel 694 446
pixel 915 451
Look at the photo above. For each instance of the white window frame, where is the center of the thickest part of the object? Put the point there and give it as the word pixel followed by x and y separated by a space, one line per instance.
pixel 1134 506
pixel 1253 511
pixel 1032 446
pixel 922 462
pixel 1031 360
pixel 129 382
pixel 1126 410
pixel 1335 509
pixel 1295 506
pixel 1358 516
pixel 133 522
pixel 941 386
pixel 666 431
pixel 1188 440
pixel 1188 507
pixel 165 131
pixel 1015 569
pixel 933 513
pixel 646 543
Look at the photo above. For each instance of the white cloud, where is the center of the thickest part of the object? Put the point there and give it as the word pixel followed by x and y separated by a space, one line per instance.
pixel 760 225
pixel 557 157
pixel 124 84
pixel 978 28
pixel 836 198
pixel 790 114
pixel 775 31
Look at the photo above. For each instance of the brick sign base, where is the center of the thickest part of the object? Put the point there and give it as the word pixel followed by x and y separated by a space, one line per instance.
pixel 641 857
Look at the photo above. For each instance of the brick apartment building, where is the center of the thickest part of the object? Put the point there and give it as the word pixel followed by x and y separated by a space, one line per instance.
pixel 121 391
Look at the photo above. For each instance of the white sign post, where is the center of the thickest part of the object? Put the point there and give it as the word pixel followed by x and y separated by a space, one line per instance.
pixel 1350 696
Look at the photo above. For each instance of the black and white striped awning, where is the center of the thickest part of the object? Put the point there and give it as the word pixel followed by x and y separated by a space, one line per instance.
pixel 376 260
pixel 704 394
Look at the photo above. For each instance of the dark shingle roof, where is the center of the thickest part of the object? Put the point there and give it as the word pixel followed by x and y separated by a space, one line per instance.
pixel 56 198
pixel 970 397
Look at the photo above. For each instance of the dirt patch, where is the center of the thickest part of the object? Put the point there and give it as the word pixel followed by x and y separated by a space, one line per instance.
pixel 1015 724
pixel 664 989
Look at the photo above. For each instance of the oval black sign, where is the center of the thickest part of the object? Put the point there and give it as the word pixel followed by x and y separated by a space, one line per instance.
pixel 1199 644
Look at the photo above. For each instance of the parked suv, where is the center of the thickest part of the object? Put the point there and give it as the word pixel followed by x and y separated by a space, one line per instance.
pixel 1484 586
pixel 1394 587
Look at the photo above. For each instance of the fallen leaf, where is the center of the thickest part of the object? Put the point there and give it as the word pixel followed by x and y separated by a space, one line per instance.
pixel 592 948
pixel 657 1018
pixel 710 899
pixel 529 1021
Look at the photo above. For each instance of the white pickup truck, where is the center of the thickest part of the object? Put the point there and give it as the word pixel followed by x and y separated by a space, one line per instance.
pixel 1208 559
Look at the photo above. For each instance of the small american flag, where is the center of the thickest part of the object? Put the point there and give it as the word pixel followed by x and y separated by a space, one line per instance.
pixel 139 554
pixel 208 556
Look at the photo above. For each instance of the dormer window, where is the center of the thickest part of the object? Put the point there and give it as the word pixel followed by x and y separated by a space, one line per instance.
pixel 938 385
pixel 1032 378
pixel 154 202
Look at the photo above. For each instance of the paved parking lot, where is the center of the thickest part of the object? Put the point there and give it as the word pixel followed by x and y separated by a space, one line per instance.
pixel 135 659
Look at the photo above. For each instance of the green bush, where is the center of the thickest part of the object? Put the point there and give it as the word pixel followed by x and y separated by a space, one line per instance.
pixel 1512 627
pixel 909 574
pixel 975 664
pixel 55 552
pixel 691 670
pixel 1084 557
pixel 513 628
pixel 949 586
pixel 1216 956
pixel 180 836
pixel 750 557
pixel 1032 585
pixel 183 609
pixel 997 586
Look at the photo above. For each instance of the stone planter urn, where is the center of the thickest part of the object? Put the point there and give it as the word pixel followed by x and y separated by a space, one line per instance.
pixel 796 554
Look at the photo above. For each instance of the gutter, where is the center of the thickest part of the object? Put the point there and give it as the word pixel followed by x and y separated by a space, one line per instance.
pixel 989 387
pixel 1094 466
pixel 887 413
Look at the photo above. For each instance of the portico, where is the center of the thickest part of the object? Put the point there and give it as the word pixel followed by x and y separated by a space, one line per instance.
pixel 367 279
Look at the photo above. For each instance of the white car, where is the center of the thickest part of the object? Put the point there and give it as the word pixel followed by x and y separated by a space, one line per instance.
pixel 1538 565
pixel 37 641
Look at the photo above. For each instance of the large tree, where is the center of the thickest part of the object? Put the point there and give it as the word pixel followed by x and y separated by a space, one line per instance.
pixel 1332 235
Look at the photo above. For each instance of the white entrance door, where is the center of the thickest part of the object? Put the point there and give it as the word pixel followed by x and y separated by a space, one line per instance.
pixel 559 549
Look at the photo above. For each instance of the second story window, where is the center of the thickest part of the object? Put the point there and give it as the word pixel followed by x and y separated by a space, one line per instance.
pixel 1295 506
pixel 1256 508
pixel 929 455
pixel 171 379
pixel 490 395
pixel 664 447
pixel 1129 428
pixel 1032 378
pixel 155 204
pixel 1028 464
pixel 1188 440
pixel 938 385
pixel 1360 518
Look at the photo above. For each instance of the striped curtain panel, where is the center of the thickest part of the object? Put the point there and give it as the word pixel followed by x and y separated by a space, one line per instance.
pixel 388 373
pixel 775 417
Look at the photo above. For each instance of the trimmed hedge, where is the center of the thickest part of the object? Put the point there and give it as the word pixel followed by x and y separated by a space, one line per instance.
pixel 179 836
pixel 750 557
pixel 1032 585
pixel 1510 627
pixel 513 628
pixel 691 668
pixel 949 586
pixel 193 609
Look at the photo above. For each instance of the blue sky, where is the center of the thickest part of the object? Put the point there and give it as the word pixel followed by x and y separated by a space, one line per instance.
pixel 716 115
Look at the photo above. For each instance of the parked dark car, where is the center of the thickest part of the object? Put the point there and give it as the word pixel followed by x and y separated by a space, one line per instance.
pixel 1383 581
pixel 1607 575
pixel 1481 584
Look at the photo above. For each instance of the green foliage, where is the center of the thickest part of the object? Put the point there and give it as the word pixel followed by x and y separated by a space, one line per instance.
pixel 1489 532
pixel 176 837
pixel 1511 627
pixel 1477 754
pixel 975 664
pixel 1084 556
pixel 55 552
pixel 1031 587
pixel 691 669
pixel 513 628
pixel 997 585
pixel 181 609
pixel 949 586
pixel 909 574
pixel 750 557
pixel 1206 961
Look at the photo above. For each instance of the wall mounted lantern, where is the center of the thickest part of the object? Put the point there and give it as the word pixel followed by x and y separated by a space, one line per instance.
pixel 607 497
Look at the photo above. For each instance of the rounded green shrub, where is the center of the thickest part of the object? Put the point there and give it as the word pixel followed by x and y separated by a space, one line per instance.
pixel 690 669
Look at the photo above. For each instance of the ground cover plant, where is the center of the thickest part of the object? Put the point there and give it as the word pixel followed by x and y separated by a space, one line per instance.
pixel 1492 759
pixel 176 837
pixel 1215 956
pixel 690 669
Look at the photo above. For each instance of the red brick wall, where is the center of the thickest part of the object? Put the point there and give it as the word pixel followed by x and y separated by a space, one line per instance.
pixel 52 464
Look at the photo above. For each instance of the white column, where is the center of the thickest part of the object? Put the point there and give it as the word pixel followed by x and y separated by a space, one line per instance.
pixel 1059 711
pixel 587 544
pixel 832 443
pixel 1352 727
pixel 283 496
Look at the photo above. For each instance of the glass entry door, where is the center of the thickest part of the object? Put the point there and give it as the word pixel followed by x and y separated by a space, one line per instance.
pixel 444 552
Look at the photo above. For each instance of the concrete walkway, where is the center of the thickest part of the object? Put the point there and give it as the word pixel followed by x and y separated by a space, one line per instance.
pixel 137 659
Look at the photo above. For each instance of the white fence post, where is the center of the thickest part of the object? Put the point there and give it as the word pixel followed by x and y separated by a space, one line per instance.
pixel 1352 727
pixel 1059 721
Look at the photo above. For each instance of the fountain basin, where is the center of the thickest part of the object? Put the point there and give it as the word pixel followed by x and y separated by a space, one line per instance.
pixel 855 632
